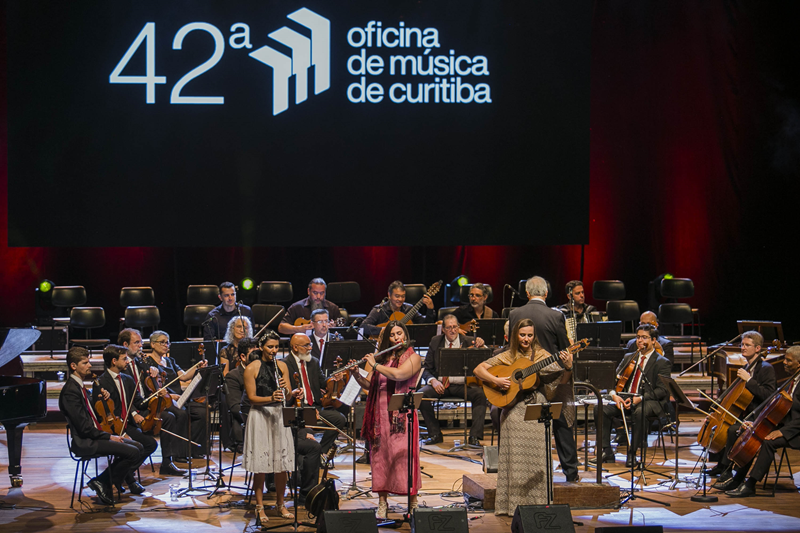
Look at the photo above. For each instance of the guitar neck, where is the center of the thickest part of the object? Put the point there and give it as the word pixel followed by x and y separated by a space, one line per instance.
pixel 540 365
pixel 411 312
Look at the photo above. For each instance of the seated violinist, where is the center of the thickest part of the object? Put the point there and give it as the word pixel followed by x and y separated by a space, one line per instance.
pixel 786 435
pixel 85 429
pixel 760 382
pixel 235 396
pixel 643 388
pixel 127 402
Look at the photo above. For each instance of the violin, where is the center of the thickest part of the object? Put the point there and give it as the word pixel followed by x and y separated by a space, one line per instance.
pixel 152 422
pixel 109 422
pixel 623 378
pixel 202 351
pixel 296 378
pixel 333 388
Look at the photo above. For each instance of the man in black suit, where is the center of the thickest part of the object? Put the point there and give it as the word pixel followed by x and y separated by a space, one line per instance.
pixel 87 437
pixel 128 403
pixel 310 379
pixel 787 435
pixel 439 386
pixel 319 335
pixel 650 393
pixel 551 333
pixel 649 317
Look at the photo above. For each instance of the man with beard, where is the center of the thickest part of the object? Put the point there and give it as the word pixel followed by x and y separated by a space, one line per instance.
pixel 476 308
pixel 395 302
pixel 303 308
pixel 216 323
pixel 577 303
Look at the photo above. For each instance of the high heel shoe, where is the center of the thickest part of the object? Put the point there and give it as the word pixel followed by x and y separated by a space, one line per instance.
pixel 284 512
pixel 383 510
pixel 261 517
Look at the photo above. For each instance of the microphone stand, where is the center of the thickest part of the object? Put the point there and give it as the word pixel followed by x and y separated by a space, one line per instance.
pixel 711 365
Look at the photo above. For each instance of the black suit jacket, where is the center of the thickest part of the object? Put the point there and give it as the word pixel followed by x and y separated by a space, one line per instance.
pixel 429 370
pixel 315 377
pixel 791 422
pixel 84 432
pixel 235 394
pixel 761 385
pixel 651 388
pixel 107 382
pixel 550 325
pixel 315 346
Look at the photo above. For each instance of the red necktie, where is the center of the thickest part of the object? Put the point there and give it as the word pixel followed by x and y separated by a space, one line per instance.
pixel 122 396
pixel 89 408
pixel 446 379
pixel 635 383
pixel 321 342
pixel 306 385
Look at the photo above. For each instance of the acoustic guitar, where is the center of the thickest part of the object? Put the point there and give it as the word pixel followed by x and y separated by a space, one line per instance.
pixel 323 497
pixel 339 322
pixel 523 376
pixel 399 316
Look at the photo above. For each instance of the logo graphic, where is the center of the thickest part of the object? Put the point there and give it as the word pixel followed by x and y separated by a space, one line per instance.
pixel 305 52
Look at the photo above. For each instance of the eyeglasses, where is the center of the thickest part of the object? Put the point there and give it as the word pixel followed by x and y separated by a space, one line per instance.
pixel 308 345
pixel 643 337
pixel 450 328
pixel 166 343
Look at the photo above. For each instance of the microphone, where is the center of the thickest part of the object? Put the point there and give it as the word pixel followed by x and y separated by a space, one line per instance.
pixel 207 320
pixel 513 290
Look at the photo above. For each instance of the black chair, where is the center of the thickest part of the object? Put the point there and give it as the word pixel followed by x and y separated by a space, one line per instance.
pixel 445 311
pixel 193 317
pixel 87 319
pixel 274 292
pixel 679 314
pixel 677 288
pixel 342 292
pixel 202 295
pixel 624 311
pixel 778 467
pixel 414 292
pixel 136 296
pixel 141 317
pixel 82 463
pixel 608 290
pixel 464 294
pixel 66 297
pixel 264 313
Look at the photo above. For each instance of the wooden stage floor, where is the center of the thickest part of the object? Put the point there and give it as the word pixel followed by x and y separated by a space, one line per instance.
pixel 43 502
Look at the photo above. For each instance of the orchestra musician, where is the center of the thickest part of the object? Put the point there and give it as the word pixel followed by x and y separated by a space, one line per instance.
pixel 127 404
pixel 476 308
pixel 320 334
pixel 268 444
pixel 551 333
pixel 216 322
pixel 303 308
pixel 649 317
pixel 650 393
pixel 761 384
pixel 87 437
pixel 309 378
pixel 524 454
pixel 787 434
pixel 159 358
pixel 238 329
pixel 394 372
pixel 131 340
pixel 577 303
pixel 438 386
pixel 235 397
pixel 396 302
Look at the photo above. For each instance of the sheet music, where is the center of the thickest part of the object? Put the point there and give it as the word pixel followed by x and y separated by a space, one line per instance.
pixel 188 392
pixel 350 392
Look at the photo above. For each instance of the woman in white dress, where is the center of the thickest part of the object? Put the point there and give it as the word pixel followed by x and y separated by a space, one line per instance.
pixel 268 445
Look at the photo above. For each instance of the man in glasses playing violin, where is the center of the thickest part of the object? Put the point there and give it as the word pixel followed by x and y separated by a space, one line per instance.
pixel 761 383
pixel 668 350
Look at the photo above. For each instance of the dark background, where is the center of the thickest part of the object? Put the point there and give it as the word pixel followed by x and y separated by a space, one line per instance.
pixel 694 159
pixel 76 137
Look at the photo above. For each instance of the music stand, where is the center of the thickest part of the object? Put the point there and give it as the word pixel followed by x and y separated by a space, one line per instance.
pixel 186 353
pixel 492 328
pixel 422 333
pixel 347 350
pixel 201 389
pixel 601 334
pixel 601 374
pixel 545 413
pixel 680 401
pixel 461 361
pixel 407 403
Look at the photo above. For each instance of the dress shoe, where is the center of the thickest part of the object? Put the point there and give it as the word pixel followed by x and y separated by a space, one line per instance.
pixel 574 479
pixel 726 483
pixel 744 491
pixel 434 439
pixel 608 456
pixel 103 493
pixel 170 469
pixel 363 460
pixel 136 488
pixel 474 441
pixel 717 470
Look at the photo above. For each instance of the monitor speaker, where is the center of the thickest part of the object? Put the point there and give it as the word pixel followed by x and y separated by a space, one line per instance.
pixel 630 529
pixel 361 520
pixel 439 520
pixel 550 518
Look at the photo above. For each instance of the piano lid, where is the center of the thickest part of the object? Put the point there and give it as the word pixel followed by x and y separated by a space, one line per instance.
pixel 14 341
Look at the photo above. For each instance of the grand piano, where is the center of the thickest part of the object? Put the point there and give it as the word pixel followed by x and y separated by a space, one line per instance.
pixel 22 400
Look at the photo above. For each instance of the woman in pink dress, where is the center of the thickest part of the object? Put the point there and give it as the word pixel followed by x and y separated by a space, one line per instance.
pixel 392 373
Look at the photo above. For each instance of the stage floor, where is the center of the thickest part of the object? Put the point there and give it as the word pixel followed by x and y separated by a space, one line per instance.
pixel 43 501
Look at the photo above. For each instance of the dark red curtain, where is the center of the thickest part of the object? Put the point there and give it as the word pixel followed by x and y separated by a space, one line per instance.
pixel 695 152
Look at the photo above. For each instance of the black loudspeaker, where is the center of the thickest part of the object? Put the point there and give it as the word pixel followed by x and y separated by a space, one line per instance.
pixel 550 518
pixel 630 529
pixel 435 520
pixel 360 520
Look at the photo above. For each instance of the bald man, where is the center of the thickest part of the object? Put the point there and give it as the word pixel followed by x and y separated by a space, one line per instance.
pixel 649 317
pixel 309 378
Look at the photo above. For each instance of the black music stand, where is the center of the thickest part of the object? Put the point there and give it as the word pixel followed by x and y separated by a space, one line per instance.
pixel 408 404
pixel 186 353
pixel 545 413
pixel 347 350
pixel 209 377
pixel 461 362
pixel 680 401
pixel 601 374
pixel 422 334
pixel 600 334
pixel 492 330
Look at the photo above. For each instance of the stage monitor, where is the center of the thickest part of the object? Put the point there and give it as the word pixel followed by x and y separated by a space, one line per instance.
pixel 207 123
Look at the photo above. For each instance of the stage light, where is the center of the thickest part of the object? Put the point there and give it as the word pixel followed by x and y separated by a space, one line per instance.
pixel 247 284
pixel 45 286
pixel 460 280
pixel 668 276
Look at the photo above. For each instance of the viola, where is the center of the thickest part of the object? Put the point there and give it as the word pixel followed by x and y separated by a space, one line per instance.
pixel 109 422
pixel 152 422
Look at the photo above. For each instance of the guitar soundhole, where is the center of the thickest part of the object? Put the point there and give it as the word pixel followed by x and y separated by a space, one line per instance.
pixel 518 376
